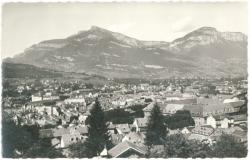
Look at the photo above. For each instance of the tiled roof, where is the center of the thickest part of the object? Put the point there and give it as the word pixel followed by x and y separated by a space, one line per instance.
pixel 194 108
pixel 215 107
pixel 135 136
pixel 206 108
pixel 205 130
pixel 233 129
pixel 241 117
pixel 197 137
pixel 206 101
pixel 58 132
pixel 149 107
pixel 236 104
pixel 123 127
pixel 82 130
pixel 123 147
pixel 78 129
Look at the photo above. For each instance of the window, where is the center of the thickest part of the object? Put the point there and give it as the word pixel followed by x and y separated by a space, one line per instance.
pixel 72 139
pixel 76 138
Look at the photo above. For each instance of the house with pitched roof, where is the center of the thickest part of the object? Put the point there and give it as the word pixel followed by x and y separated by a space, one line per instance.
pixel 75 100
pixel 44 96
pixel 210 120
pixel 147 110
pixel 235 128
pixel 217 121
pixel 68 139
pixel 205 130
pixel 127 149
pixel 213 106
pixel 194 109
pixel 135 138
pixel 140 124
pixel 63 137
pixel 122 128
pixel 202 133
pixel 239 118
pixel 104 153
pixel 220 121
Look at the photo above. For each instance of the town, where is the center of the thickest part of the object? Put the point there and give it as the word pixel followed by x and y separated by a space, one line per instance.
pixel 124 80
pixel 54 117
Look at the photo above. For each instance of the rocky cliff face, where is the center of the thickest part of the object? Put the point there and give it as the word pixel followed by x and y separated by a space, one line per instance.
pixel 203 52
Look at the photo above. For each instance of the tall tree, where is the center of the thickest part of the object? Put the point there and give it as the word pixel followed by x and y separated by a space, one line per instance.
pixel 177 146
pixel 16 138
pixel 98 136
pixel 200 149
pixel 228 146
pixel 180 119
pixel 156 129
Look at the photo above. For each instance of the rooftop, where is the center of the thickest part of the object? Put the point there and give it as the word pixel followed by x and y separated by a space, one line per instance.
pixel 121 148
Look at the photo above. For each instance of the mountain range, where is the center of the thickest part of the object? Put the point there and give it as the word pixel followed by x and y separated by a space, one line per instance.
pixel 205 52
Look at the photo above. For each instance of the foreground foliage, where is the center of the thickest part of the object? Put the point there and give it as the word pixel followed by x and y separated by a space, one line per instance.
pixel 156 129
pixel 23 142
pixel 98 136
pixel 178 146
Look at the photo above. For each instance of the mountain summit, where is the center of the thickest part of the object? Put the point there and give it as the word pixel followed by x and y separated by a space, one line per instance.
pixel 204 52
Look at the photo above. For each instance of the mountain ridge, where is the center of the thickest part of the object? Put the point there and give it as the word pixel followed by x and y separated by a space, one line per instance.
pixel 112 54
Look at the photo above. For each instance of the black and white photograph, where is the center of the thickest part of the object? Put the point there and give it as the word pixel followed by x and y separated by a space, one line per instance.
pixel 124 79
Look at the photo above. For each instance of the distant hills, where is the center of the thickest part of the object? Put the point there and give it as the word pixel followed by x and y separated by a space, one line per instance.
pixel 205 52
pixel 11 70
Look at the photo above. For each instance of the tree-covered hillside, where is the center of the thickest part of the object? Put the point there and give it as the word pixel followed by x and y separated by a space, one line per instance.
pixel 13 70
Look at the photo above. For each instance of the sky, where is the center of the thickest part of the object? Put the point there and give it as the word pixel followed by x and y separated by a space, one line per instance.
pixel 25 24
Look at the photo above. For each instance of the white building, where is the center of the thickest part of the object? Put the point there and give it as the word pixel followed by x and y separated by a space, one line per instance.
pixel 211 121
pixel 35 98
pixel 219 121
pixel 40 97
pixel 75 100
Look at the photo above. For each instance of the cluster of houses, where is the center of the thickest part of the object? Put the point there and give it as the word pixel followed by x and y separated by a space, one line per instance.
pixel 212 114
pixel 210 123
